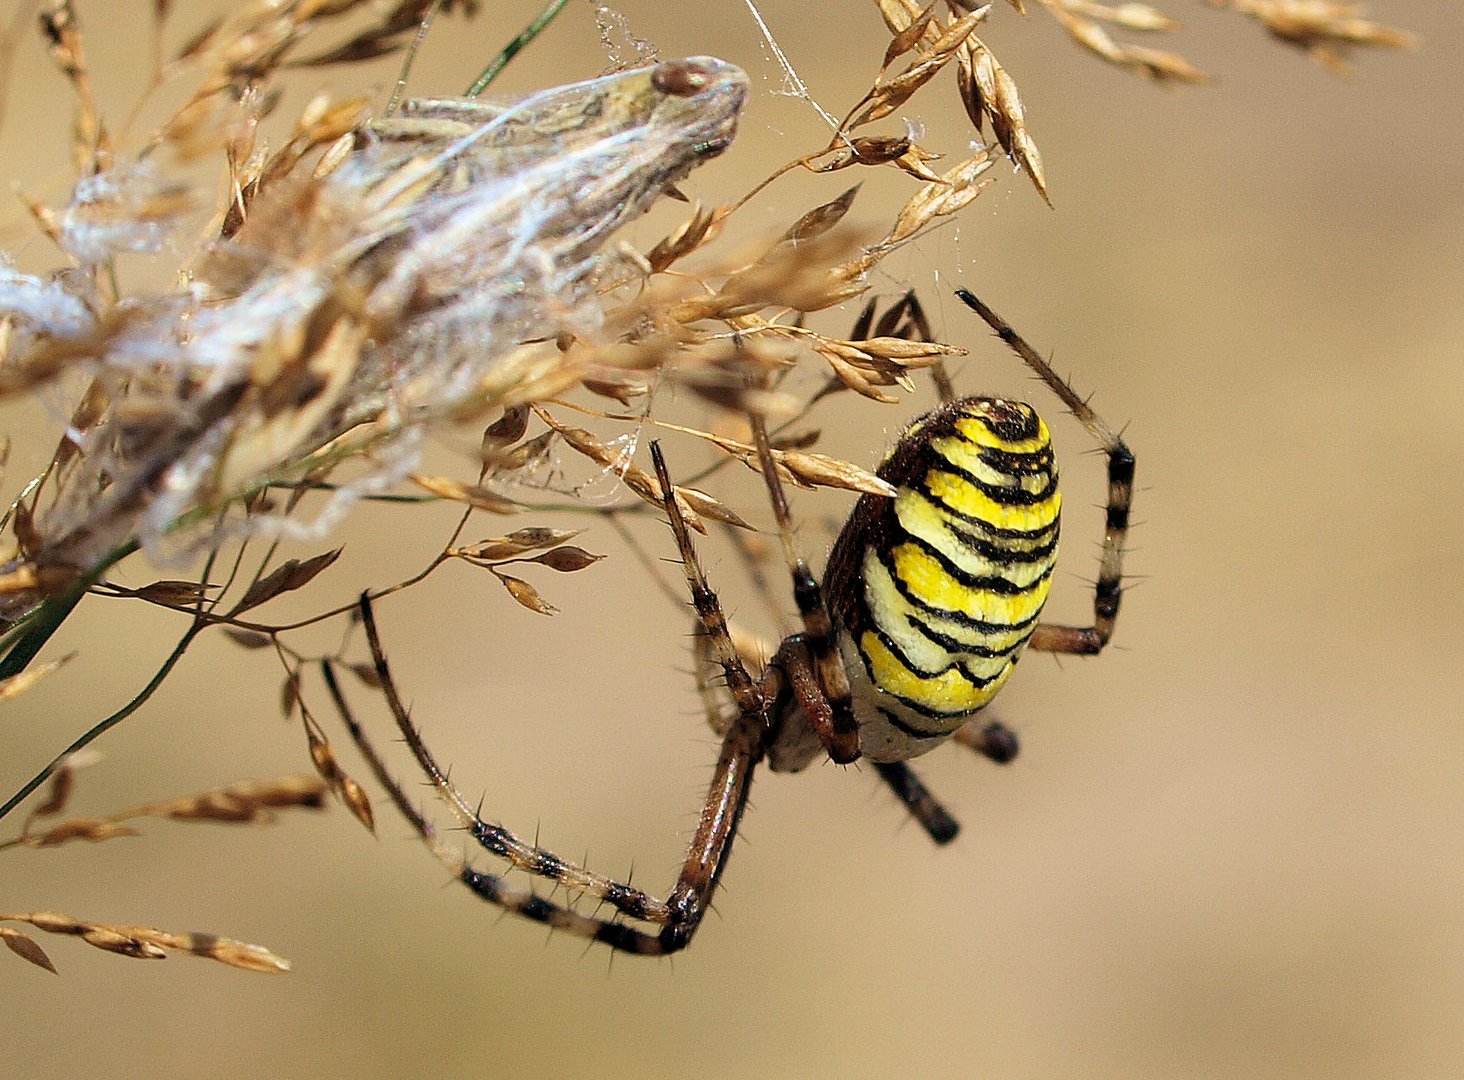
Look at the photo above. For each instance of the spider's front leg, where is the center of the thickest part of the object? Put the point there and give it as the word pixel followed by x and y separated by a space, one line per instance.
pixel 743 746
pixel 680 914
pixel 809 663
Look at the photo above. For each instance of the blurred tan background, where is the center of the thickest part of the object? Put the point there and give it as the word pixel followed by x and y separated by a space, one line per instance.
pixel 1231 848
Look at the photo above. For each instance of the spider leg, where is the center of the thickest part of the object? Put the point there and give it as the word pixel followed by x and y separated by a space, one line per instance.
pixel 811 662
pixel 529 857
pixel 713 623
pixel 679 915
pixel 906 319
pixel 1108 591
pixel 992 740
pixel 923 806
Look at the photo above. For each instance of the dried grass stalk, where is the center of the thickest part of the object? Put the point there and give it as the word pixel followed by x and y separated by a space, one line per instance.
pixel 138 942
pixel 245 802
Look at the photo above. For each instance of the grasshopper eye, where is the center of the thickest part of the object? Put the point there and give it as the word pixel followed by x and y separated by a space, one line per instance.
pixel 681 78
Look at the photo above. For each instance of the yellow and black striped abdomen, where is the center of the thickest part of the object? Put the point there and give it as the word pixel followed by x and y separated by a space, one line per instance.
pixel 937 590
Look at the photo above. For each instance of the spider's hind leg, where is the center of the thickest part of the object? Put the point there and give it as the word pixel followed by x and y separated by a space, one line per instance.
pixel 1108 591
pixel 993 740
pixel 923 806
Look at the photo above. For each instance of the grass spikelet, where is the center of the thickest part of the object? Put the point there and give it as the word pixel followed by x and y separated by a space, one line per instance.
pixel 248 802
pixel 1327 30
pixel 245 802
pixel 138 942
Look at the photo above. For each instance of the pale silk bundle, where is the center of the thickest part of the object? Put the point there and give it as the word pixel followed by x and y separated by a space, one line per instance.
pixel 369 298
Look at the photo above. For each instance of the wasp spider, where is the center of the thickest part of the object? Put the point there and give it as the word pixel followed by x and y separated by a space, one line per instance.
pixel 928 601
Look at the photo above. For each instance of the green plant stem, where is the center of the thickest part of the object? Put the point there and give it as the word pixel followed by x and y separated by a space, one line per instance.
pixel 514 47
pixel 47 618
pixel 102 727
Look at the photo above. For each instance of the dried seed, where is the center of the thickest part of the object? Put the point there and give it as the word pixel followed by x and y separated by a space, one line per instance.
pixel 475 495
pixel 567 559
pixel 288 576
pixel 26 948
pixel 527 595
pixel 515 543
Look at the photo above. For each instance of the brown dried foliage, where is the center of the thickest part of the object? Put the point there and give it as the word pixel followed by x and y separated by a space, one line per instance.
pixel 1327 30
pixel 246 802
pixel 539 546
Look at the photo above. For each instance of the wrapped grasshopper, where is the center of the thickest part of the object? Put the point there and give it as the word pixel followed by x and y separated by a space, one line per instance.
pixel 378 292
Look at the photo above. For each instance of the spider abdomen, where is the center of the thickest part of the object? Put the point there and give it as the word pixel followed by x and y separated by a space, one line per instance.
pixel 937 590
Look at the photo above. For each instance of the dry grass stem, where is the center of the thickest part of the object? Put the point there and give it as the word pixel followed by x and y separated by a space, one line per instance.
pixel 246 802
pixel 252 802
pixel 138 942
